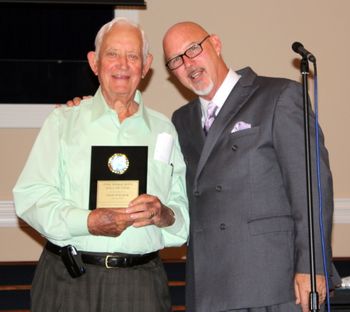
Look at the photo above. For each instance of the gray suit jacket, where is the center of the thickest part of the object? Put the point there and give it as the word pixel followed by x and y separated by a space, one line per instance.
pixel 247 191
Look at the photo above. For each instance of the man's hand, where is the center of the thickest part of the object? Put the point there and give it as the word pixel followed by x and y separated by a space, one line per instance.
pixel 147 209
pixel 108 221
pixel 76 101
pixel 302 288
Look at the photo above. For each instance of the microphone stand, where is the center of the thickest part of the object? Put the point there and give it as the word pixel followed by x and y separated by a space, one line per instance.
pixel 313 299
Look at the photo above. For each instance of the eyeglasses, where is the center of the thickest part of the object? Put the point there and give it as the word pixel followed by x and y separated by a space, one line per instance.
pixel 191 53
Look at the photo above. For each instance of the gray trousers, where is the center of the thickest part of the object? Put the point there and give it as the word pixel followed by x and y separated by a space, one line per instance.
pixel 137 289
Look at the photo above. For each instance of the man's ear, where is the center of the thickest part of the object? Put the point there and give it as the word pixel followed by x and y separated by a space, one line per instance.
pixel 91 56
pixel 147 65
pixel 216 43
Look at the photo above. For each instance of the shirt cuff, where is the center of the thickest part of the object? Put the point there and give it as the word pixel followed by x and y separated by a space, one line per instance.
pixel 179 223
pixel 77 222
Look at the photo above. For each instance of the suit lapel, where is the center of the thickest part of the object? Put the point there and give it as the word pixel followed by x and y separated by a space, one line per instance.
pixel 194 126
pixel 233 104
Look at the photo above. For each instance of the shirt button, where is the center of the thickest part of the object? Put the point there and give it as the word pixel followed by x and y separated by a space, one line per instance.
pixel 218 188
pixel 234 147
pixel 222 226
pixel 196 193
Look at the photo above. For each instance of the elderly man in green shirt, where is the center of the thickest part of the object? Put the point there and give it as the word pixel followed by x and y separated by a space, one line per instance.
pixel 118 246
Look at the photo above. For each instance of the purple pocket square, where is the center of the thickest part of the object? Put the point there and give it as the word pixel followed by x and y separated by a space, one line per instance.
pixel 240 125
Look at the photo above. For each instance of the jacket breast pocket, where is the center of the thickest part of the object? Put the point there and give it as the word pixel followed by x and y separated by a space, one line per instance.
pixel 245 132
pixel 244 140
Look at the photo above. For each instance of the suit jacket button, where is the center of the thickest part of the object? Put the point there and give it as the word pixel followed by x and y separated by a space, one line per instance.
pixel 234 147
pixel 196 193
pixel 222 226
pixel 218 188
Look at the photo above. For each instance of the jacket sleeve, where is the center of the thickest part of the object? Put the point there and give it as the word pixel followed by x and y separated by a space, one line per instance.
pixel 288 139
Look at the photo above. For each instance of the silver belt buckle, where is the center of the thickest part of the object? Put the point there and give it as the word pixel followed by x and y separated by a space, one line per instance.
pixel 106 262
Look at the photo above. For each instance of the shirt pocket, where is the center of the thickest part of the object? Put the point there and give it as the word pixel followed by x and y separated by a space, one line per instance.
pixel 159 179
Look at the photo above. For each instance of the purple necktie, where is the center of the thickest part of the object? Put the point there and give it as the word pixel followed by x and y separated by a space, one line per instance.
pixel 210 116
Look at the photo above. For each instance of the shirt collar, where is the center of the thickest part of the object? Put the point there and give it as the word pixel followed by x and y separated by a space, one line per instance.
pixel 222 94
pixel 100 107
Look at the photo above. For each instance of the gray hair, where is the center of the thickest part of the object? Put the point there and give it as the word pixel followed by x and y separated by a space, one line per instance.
pixel 121 20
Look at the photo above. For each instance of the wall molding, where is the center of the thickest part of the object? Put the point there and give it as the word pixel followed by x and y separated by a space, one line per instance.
pixel 341 211
pixel 24 115
pixel 8 217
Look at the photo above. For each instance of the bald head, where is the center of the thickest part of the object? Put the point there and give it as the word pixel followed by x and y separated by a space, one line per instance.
pixel 202 72
pixel 183 28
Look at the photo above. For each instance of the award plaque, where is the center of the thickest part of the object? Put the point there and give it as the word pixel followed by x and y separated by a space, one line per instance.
pixel 118 175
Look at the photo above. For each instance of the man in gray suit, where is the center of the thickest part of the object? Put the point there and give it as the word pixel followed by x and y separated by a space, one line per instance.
pixel 248 246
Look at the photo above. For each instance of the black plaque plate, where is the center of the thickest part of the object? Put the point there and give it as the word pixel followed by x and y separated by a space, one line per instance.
pixel 117 174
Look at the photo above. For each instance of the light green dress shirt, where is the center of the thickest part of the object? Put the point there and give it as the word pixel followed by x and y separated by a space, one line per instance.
pixel 52 192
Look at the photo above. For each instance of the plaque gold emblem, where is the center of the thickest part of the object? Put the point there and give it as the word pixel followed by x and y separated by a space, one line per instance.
pixel 118 163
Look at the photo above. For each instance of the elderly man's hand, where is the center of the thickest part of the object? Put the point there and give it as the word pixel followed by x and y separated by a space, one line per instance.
pixel 108 221
pixel 147 209
pixel 302 287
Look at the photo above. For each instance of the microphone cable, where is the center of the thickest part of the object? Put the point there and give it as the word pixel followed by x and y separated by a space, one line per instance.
pixel 319 186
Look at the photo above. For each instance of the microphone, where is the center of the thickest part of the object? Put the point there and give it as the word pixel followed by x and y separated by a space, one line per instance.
pixel 299 48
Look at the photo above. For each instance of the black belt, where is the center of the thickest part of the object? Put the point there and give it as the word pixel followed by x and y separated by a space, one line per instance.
pixel 108 260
